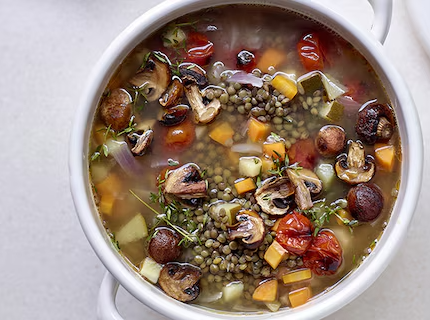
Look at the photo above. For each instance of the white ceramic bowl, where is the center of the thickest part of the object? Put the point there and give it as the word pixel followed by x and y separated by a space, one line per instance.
pixel 343 292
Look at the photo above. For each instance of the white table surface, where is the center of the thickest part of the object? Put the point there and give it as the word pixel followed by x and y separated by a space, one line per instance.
pixel 47 268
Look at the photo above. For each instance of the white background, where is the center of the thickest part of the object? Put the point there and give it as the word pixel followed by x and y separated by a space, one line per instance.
pixel 47 268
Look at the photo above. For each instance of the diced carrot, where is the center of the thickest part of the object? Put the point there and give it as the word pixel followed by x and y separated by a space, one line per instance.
pixel 222 134
pixel 275 150
pixel 267 164
pixel 343 214
pixel 296 276
pixel 299 296
pixel 267 291
pixel 244 186
pixel 285 86
pixel 276 225
pixel 384 155
pixel 275 254
pixel 271 58
pixel 107 201
pixel 109 185
pixel 257 130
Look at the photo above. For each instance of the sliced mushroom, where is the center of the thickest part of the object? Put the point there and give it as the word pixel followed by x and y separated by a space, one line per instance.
pixel 140 141
pixel 193 74
pixel 174 115
pixel 173 95
pixel 115 110
pixel 375 123
pixel 202 113
pixel 153 78
pixel 180 281
pixel 185 182
pixel 355 167
pixel 250 228
pixel 274 196
pixel 305 183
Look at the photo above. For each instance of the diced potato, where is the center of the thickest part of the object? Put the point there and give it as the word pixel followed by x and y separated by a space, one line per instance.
pixel 110 185
pixel 266 291
pixel 273 306
pixel 285 86
pixel 275 150
pixel 232 291
pixel 275 254
pixel 106 203
pixel 133 230
pixel 150 270
pixel 230 210
pixel 244 186
pixel 296 276
pixel 250 166
pixel 257 130
pixel 326 174
pixel 267 164
pixel 384 155
pixel 332 111
pixel 300 296
pixel 223 134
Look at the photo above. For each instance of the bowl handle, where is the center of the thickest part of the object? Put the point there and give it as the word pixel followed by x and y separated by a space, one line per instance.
pixel 383 10
pixel 106 307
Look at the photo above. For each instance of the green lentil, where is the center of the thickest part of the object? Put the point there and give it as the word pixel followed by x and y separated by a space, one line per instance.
pixel 224 98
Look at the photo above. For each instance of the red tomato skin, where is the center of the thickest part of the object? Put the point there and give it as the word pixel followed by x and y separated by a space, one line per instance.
pixel 324 256
pixel 179 137
pixel 303 152
pixel 310 53
pixel 246 61
pixel 199 48
pixel 295 233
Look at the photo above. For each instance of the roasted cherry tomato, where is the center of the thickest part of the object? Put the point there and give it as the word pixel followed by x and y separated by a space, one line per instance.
pixel 324 256
pixel 303 152
pixel 310 53
pixel 199 48
pixel 245 60
pixel 294 233
pixel 180 136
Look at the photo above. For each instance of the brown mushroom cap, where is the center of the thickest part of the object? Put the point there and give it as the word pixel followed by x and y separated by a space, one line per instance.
pixel 250 228
pixel 193 74
pixel 273 196
pixel 140 141
pixel 365 202
pixel 306 183
pixel 330 140
pixel 355 167
pixel 164 245
pixel 115 110
pixel 185 182
pixel 375 122
pixel 180 281
pixel 153 78
pixel 174 115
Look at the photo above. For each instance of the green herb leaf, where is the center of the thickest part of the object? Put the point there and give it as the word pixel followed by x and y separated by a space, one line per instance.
pixel 172 162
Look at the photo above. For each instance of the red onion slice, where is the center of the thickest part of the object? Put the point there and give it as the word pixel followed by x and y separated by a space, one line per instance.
pixel 245 78
pixel 250 148
pixel 123 156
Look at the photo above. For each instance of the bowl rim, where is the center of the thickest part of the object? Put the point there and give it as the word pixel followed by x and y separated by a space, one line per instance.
pixel 345 291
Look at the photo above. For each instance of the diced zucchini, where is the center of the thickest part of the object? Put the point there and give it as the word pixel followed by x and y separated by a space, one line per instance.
pixel 326 174
pixel 250 166
pixel 133 230
pixel 230 211
pixel 174 37
pixel 310 82
pixel 273 306
pixel 332 88
pixel 232 291
pixel 150 270
pixel 332 111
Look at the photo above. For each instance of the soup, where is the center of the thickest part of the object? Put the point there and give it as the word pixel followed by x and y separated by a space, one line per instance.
pixel 244 166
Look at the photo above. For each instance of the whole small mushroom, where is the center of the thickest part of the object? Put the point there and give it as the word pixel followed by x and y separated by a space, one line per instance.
pixel 365 202
pixel 115 110
pixel 180 281
pixel 330 140
pixel 164 245
pixel 375 123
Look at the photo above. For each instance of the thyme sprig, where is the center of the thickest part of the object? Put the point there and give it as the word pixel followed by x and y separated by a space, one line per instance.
pixel 282 165
pixel 320 214
pixel 170 216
